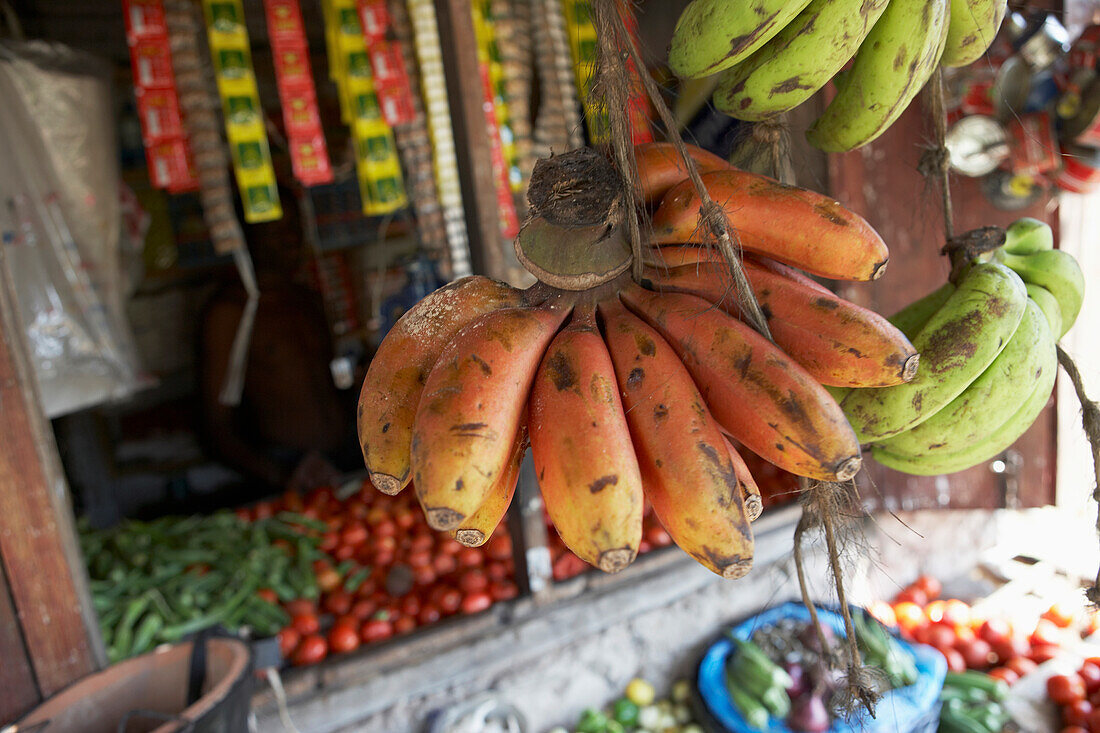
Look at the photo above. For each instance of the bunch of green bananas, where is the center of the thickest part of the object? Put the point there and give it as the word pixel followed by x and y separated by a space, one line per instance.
pixel 777 53
pixel 987 359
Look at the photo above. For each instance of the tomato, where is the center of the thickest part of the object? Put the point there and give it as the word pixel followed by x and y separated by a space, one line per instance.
pixel 955 661
pixel 424 576
pixel 410 605
pixel 1076 713
pixel 329 541
pixel 1021 665
pixel 1094 719
pixel 347 620
pixel 976 653
pixel 910 616
pixel 421 542
pixel 306 623
pixel 1004 673
pixel 376 630
pixel 934 611
pixel 243 514
pixel 1090 675
pixel 965 635
pixel 444 563
pixel 657 536
pixel 883 612
pixel 503 591
pixel 471 557
pixel 404 518
pixel 268 595
pixel 363 608
pixel 385 528
pixel 911 595
pixel 1094 699
pixel 344 552
pixel 499 546
pixel 930 586
pixel 994 630
pixel 957 613
pixel 312 649
pixel 353 533
pixel 449 546
pixel 1044 653
pixel 1046 633
pixel 1013 646
pixel 476 602
pixel 337 602
pixel 429 614
pixel 449 601
pixel 941 636
pixel 263 510
pixel 473 580
pixel 1061 615
pixel 1074 729
pixel 404 625
pixel 299 606
pixel 383 543
pixel 288 640
pixel 343 638
pixel 1065 689
pixel 644 547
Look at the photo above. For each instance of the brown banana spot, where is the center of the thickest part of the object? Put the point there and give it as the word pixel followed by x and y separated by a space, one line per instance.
pixel 635 378
pixel 828 210
pixel 485 368
pixel 766 310
pixel 561 371
pixel 722 467
pixel 612 561
pixel 443 519
pixel 602 483
pixel 601 391
pixel 385 428
pixel 386 483
pixel 745 102
pixel 645 345
pixel 829 304
pixel 780 447
pixel 899 60
pixel 917 401
pixel 740 43
pixel 956 341
pixel 660 413
pixel 790 85
pixel 470 537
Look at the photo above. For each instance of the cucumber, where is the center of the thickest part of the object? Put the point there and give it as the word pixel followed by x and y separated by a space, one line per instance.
pixel 993 687
pixel 751 709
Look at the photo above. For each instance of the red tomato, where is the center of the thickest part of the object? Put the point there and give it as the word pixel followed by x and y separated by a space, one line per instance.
pixel 657 536
pixel 449 546
pixel 263 510
pixel 911 595
pixel 473 580
pixel 644 547
pixel 419 558
pixel 1090 675
pixel 994 630
pixel 410 605
pixel 382 559
pixel 1065 689
pixel 957 613
pixel 930 586
pixel 1013 646
pixel 444 563
pixel 404 518
pixel 1094 719
pixel 367 588
pixel 383 543
pixel 288 640
pixel 1006 674
pixel 1021 665
pixel 424 576
pixel 934 611
pixel 363 608
pixel 976 653
pixel 329 541
pixel 344 552
pixel 306 623
pixel 471 557
pixel 376 630
pixel 268 595
pixel 385 528
pixel 300 606
pixel 311 650
pixel 422 542
pixel 337 602
pixel 883 612
pixel 955 661
pixel 1076 713
pixel 353 533
pixel 347 620
pixel 1074 729
pixel 1044 652
pixel 1094 699
pixel 404 625
pixel 449 601
pixel 476 602
pixel 429 614
pixel 343 638
pixel 965 635
pixel 910 616
pixel 1061 615
pixel 499 546
pixel 243 513
pixel 1093 660
pixel 497 571
pixel 941 636
pixel 1046 633
pixel 503 591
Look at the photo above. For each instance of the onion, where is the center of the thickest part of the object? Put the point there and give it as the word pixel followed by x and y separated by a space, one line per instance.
pixel 798 679
pixel 808 714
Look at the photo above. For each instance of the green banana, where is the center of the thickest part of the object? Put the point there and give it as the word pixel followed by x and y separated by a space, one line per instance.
pixel 1027 236
pixel 799 60
pixel 996 442
pixel 989 401
pixel 1048 304
pixel 955 346
pixel 911 319
pixel 973 26
pixel 713 35
pixel 893 63
pixel 1058 272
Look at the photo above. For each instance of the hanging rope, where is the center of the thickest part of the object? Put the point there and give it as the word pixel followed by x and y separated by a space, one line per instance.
pixel 609 24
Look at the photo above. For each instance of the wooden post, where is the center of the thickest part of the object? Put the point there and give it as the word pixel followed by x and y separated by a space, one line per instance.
pixel 530 549
pixel 56 638
pixel 475 164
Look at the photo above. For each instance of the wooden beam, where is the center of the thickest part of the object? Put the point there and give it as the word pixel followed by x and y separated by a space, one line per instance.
pixel 475 164
pixel 38 547
pixel 18 689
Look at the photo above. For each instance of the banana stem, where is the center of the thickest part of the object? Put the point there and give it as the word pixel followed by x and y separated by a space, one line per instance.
pixel 1090 420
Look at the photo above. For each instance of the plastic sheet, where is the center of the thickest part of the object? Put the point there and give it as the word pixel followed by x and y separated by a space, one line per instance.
pixel 60 216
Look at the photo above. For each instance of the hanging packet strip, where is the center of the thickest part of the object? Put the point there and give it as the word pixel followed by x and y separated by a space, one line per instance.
pixel 167 152
pixel 378 169
pixel 294 78
pixel 244 126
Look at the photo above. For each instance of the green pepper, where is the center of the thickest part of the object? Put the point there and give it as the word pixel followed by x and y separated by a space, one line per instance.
pixel 625 712
pixel 592 721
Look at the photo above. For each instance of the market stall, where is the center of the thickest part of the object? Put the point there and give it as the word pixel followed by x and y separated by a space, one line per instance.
pixel 483 220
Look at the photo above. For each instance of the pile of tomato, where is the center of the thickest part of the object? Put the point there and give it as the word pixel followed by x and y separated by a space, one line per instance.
pixel 384 573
